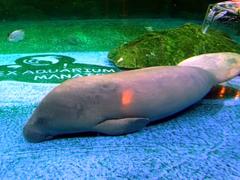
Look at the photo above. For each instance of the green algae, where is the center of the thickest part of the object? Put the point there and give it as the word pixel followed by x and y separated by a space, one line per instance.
pixel 171 46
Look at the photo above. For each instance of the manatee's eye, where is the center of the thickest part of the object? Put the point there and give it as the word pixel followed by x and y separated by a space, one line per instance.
pixel 48 137
pixel 41 121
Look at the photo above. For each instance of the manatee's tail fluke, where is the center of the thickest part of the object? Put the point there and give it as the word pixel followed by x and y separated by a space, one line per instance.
pixel 223 66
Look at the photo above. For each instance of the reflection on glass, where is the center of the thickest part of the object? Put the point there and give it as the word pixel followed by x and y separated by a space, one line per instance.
pixel 223 92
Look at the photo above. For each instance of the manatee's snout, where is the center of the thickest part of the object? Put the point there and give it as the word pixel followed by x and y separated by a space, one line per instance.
pixel 34 134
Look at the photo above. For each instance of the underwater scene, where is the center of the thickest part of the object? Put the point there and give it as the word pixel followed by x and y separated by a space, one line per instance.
pixel 119 89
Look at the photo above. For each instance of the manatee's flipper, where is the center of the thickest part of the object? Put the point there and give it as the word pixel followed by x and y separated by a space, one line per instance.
pixel 121 126
pixel 223 66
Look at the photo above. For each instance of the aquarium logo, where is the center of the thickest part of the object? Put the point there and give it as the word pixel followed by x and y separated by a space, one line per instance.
pixel 50 69
pixel 41 60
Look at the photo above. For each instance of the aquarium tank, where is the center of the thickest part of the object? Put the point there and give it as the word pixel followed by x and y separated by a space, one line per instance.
pixel 119 89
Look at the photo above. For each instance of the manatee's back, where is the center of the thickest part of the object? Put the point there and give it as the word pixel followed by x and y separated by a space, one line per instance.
pixel 151 92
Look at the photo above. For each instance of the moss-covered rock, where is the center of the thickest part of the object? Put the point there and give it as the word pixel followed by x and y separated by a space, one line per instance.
pixel 169 47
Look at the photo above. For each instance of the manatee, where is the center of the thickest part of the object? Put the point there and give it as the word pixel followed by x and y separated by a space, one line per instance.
pixel 125 102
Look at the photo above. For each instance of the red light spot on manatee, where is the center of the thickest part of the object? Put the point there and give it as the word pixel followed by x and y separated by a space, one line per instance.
pixel 127 97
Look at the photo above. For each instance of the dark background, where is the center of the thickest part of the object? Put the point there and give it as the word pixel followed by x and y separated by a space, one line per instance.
pixel 87 9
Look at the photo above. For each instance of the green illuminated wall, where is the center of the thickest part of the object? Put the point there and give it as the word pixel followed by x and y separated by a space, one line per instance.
pixel 82 9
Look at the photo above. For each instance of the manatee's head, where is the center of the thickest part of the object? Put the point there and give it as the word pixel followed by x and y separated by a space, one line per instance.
pixel 36 131
pixel 52 117
pixel 39 126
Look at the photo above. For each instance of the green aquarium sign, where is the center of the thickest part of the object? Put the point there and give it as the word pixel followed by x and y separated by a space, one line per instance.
pixel 50 69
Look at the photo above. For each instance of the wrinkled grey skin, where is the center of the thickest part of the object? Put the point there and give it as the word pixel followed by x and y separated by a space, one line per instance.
pixel 94 103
